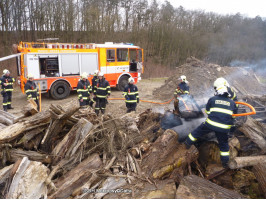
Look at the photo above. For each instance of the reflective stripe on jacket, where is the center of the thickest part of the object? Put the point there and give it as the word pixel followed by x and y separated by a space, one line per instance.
pixel 131 93
pixel 220 110
pixel 84 89
pixel 31 90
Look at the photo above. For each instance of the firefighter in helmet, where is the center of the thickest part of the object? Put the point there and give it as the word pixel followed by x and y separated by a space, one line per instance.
pixel 231 93
pixel 93 85
pixel 182 89
pixel 31 90
pixel 131 95
pixel 6 82
pixel 220 109
pixel 102 92
pixel 84 90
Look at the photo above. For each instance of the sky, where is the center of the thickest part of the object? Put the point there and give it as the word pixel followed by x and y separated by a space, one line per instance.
pixel 248 8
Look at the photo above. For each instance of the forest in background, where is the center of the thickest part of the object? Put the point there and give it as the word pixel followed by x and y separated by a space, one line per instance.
pixel 167 34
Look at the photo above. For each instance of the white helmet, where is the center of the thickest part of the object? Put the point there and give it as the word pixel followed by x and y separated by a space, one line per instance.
pixel 84 75
pixel 96 72
pixel 30 76
pixel 131 80
pixel 220 82
pixel 100 74
pixel 220 86
pixel 183 78
pixel 6 71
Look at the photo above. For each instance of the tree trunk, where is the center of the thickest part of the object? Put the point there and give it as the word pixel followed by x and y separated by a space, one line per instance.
pixel 75 178
pixel 72 141
pixel 29 181
pixel 256 131
pixel 16 154
pixel 194 187
pixel 260 172
pixel 30 108
pixel 240 162
pixel 167 155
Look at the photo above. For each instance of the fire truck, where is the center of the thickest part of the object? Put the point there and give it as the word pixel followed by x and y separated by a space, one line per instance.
pixel 57 66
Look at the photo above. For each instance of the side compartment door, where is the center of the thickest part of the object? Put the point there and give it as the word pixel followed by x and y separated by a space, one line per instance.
pixel 32 62
pixel 89 62
pixel 70 64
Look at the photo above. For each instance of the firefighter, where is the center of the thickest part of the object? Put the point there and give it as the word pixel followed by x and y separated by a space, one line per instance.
pixel 6 81
pixel 84 90
pixel 102 92
pixel 93 84
pixel 219 109
pixel 32 91
pixel 182 89
pixel 131 95
pixel 231 93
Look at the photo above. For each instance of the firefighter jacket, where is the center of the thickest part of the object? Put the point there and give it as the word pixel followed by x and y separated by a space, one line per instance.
pixel 94 83
pixel 31 90
pixel 102 89
pixel 131 93
pixel 220 109
pixel 232 94
pixel 9 83
pixel 84 89
pixel 182 88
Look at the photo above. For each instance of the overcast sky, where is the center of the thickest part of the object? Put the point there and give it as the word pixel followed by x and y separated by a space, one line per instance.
pixel 249 8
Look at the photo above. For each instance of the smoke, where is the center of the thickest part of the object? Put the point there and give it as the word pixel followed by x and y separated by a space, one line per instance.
pixel 259 67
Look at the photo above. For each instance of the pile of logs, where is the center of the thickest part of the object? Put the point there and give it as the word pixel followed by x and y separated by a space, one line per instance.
pixel 69 152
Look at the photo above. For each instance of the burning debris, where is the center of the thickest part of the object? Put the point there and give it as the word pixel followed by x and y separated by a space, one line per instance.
pixel 201 76
pixel 69 152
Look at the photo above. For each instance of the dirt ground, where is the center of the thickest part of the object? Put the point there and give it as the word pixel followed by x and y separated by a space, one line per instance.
pixel 115 107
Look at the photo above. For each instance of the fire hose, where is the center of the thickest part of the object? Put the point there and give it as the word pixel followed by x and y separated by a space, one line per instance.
pixel 253 111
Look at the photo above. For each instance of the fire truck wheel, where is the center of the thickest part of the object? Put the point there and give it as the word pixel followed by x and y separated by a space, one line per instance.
pixel 122 83
pixel 60 90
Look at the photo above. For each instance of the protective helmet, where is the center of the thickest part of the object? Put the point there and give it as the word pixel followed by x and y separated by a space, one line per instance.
pixel 84 75
pixel 220 86
pixel 131 80
pixel 30 76
pixel 183 78
pixel 6 71
pixel 100 74
pixel 96 72
pixel 219 82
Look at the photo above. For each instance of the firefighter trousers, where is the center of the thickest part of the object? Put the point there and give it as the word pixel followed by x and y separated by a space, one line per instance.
pixel 221 137
pixel 131 107
pixel 7 99
pixel 85 102
pixel 100 105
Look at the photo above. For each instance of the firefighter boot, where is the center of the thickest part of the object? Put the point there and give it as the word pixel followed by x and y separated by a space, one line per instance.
pixel 9 107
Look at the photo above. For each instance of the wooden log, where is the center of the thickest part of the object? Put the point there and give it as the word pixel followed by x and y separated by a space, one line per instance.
pixel 166 155
pixel 30 135
pixel 239 162
pixel 60 116
pixel 75 178
pixel 4 173
pixel 30 108
pixel 5 121
pixel 260 172
pixel 7 115
pixel 11 132
pixel 29 181
pixel 194 187
pixel 256 131
pixel 17 154
pixel 72 141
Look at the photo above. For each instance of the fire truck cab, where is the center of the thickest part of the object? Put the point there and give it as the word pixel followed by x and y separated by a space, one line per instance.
pixel 57 66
